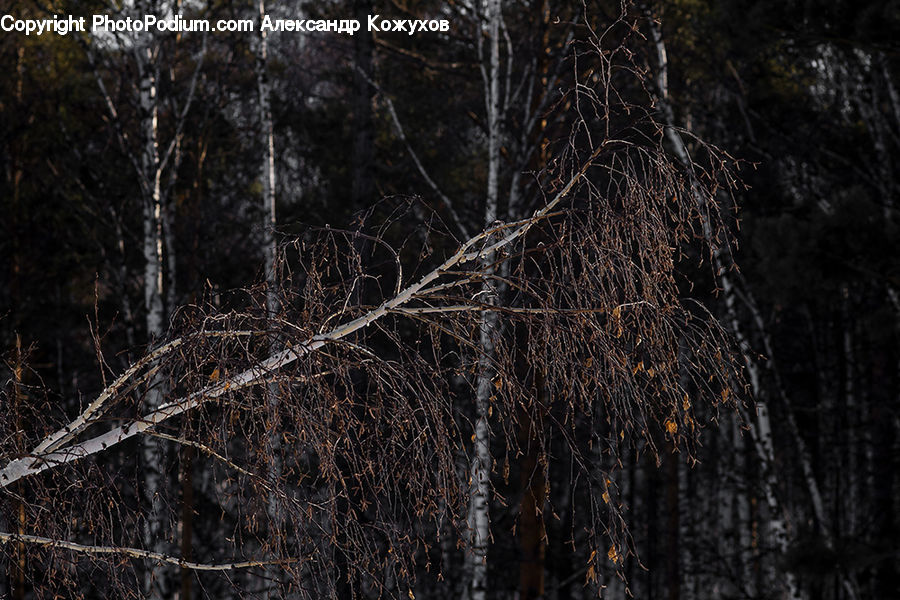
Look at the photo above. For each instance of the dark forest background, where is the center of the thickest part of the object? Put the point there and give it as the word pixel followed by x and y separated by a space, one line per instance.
pixel 788 488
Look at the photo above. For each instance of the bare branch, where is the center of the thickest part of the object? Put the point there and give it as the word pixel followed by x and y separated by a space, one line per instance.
pixel 138 553
pixel 52 456
pixel 396 120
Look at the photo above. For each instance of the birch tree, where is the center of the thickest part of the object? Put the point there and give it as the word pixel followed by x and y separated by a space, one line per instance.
pixel 762 432
pixel 481 462
pixel 595 328
pixel 578 317
pixel 347 471
pixel 737 297
pixel 267 176
pixel 156 162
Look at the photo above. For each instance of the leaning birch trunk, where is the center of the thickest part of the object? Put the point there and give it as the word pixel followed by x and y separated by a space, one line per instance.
pixel 154 580
pixel 480 466
pixel 762 435
pixel 61 447
pixel 273 448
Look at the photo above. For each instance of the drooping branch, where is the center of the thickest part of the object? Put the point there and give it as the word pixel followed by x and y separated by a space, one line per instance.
pixel 50 454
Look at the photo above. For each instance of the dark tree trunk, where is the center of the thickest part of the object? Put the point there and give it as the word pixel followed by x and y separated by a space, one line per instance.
pixel 532 533
pixel 673 571
pixel 884 435
pixel 187 517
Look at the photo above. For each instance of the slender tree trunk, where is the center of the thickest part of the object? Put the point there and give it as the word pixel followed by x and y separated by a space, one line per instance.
pixel 268 165
pixel 122 270
pixel 673 528
pixel 746 522
pixel 155 583
pixel 20 398
pixel 763 443
pixel 531 530
pixel 688 497
pixel 480 466
pixel 493 112
pixel 847 581
pixel 187 518
pixel 718 512
pixel 267 175
pixel 167 223
pixel 16 567
pixel 653 516
pixel 763 438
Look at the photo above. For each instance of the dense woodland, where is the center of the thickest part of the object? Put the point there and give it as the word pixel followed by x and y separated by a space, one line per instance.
pixel 572 300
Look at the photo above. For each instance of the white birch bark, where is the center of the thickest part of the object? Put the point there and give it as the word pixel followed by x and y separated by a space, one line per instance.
pixel 157 250
pixel 158 253
pixel 848 582
pixel 155 585
pixel 762 435
pixel 145 56
pixel 267 175
pixel 60 447
pixel 480 468
pixel 57 449
pixel 268 164
pixel 124 551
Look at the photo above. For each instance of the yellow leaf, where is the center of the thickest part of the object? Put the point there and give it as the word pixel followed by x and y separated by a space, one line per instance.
pixel 606 497
pixel 686 404
pixel 499 383
pixel 214 376
pixel 411 595
pixel 612 554
pixel 591 576
pixel 589 362
pixel 671 426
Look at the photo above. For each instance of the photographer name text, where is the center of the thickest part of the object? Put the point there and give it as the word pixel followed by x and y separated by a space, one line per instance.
pixel 150 23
